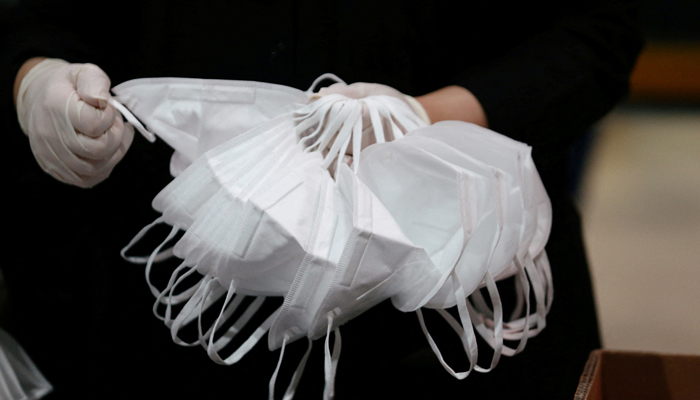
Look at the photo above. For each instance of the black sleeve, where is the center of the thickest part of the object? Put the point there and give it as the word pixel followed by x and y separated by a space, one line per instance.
pixel 559 81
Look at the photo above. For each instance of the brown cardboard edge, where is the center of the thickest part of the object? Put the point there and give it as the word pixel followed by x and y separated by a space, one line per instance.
pixel 587 380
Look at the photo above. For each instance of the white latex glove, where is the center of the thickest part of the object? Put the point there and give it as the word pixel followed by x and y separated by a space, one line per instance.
pixel 360 90
pixel 75 136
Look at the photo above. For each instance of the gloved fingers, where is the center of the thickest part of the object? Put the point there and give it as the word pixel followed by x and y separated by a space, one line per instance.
pixel 101 147
pixel 104 168
pixel 360 90
pixel 341 88
pixel 375 89
pixel 88 120
pixel 92 84
pixel 55 159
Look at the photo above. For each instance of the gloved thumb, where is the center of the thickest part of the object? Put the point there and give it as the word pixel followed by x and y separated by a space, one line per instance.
pixel 92 84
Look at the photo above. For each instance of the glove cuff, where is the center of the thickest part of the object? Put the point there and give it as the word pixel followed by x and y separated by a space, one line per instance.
pixel 32 74
pixel 417 108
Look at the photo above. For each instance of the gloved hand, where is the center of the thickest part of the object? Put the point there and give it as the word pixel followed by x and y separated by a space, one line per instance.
pixel 360 90
pixel 75 136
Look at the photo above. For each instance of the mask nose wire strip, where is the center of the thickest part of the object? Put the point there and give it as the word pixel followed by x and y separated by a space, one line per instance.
pixel 133 120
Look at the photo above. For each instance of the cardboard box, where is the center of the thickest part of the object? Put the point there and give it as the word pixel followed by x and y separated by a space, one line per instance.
pixel 622 375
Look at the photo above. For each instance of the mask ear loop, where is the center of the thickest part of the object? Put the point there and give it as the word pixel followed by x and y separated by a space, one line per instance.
pixel 375 119
pixel 321 78
pixel 132 119
pixel 465 332
pixel 203 298
pixel 468 215
pixel 214 346
pixel 542 263
pixel 253 339
pixel 402 114
pixel 341 139
pixel 143 260
pixel 170 299
pixel 289 393
pixel 331 360
pixel 332 131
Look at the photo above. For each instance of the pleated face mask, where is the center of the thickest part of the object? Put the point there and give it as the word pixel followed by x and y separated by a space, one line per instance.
pixel 496 149
pixel 378 261
pixel 444 209
pixel 230 166
pixel 507 196
pixel 195 115
pixel 269 209
pixel 514 158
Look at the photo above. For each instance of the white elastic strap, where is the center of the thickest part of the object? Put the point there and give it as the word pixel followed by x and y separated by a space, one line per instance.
pixel 538 288
pixel 252 340
pixel 336 116
pixel 318 80
pixel 289 393
pixel 151 260
pixel 227 309
pixel 385 115
pixel 169 300
pixel 465 331
pixel 215 346
pixel 331 360
pixel 525 285
pixel 347 119
pixel 493 337
pixel 377 125
pixel 203 298
pixel 356 144
pixel 519 297
pixel 355 112
pixel 542 263
pixel 132 119
pixel 183 296
pixel 312 115
pixel 513 330
pixel 273 379
pixel 402 113
pixel 144 259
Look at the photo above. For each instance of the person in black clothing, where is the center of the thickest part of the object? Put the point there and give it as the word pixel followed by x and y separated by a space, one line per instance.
pixel 539 72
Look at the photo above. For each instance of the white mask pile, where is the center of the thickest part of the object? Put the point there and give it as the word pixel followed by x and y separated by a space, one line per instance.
pixel 269 209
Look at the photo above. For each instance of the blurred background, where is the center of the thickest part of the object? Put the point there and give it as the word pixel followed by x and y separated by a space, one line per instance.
pixel 637 181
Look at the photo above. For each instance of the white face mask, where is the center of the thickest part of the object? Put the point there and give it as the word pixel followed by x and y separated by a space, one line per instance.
pixel 507 196
pixel 377 262
pixel 496 150
pixel 195 115
pixel 514 158
pixel 181 201
pixel 423 194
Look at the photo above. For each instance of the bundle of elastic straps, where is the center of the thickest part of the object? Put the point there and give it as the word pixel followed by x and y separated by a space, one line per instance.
pixel 264 204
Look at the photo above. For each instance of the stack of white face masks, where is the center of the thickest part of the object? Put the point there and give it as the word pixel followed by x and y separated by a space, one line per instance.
pixel 425 221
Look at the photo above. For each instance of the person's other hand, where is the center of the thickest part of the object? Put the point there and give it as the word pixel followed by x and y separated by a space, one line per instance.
pixel 75 136
pixel 361 90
